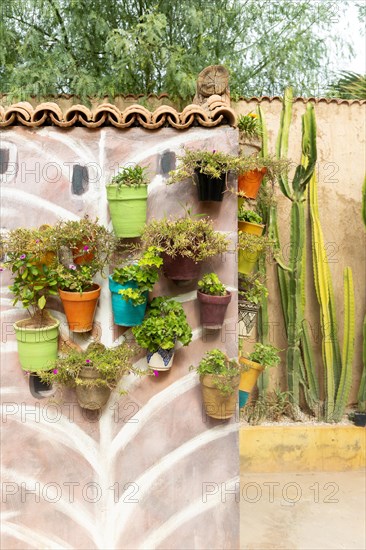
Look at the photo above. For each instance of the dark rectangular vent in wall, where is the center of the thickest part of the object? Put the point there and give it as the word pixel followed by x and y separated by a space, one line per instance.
pixel 80 180
pixel 4 160
pixel 167 162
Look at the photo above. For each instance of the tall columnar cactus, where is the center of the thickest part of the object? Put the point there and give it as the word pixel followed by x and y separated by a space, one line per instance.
pixel 337 366
pixel 300 368
pixel 361 396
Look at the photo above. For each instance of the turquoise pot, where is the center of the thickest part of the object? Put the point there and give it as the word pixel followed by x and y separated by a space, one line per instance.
pixel 124 312
pixel 243 398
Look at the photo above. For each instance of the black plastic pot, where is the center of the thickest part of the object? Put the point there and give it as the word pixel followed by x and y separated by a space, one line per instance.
pixel 359 419
pixel 210 189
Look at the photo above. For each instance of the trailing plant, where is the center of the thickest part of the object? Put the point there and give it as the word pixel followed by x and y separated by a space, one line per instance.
pixel 210 284
pixel 265 354
pixel 75 278
pixel 130 176
pixel 271 407
pixel 249 216
pixel 163 326
pixel 252 289
pixel 144 272
pixel 86 238
pixel 111 364
pixel 211 163
pixel 222 369
pixel 40 243
pixel 188 237
pixel 249 125
pixel 252 244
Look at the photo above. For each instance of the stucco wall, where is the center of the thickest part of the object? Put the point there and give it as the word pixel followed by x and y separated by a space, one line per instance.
pixel 135 476
pixel 341 167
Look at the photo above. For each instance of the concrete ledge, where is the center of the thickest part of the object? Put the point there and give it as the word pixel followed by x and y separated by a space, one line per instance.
pixel 302 448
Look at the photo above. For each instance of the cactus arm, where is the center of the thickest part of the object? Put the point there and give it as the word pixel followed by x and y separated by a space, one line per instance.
pixel 348 346
pixel 282 139
pixel 264 139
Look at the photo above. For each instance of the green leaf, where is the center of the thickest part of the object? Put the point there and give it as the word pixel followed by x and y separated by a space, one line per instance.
pixel 41 302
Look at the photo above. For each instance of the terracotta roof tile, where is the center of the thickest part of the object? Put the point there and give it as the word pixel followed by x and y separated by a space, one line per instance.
pixel 25 114
pixel 269 99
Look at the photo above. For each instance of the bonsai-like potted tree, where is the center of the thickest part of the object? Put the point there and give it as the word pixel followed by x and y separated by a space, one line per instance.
pixel 93 373
pixel 27 253
pixel 130 285
pixel 262 357
pixel 84 241
pixel 165 324
pixel 185 242
pixel 127 199
pixel 250 248
pixel 208 170
pixel 219 377
pixel 251 293
pixel 249 221
pixel 214 300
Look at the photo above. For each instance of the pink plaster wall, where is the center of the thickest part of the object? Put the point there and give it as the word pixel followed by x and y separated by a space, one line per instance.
pixel 137 472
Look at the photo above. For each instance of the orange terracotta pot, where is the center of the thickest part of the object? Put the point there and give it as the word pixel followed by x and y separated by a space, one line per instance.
pixel 250 182
pixel 80 308
pixel 252 228
pixel 81 256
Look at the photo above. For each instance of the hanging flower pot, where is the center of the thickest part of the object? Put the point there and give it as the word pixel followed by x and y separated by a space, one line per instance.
pixel 91 397
pixel 247 260
pixel 180 268
pixel 127 207
pixel 160 360
pixel 217 404
pixel 250 222
pixel 36 346
pixel 250 182
pixel 247 316
pixel 209 188
pixel 80 308
pixel 250 227
pixel 213 309
pixel 125 313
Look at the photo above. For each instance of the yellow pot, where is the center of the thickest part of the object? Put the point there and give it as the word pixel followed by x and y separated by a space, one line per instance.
pixel 249 377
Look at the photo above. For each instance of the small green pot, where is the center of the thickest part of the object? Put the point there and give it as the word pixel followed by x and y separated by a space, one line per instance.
pixel 127 206
pixel 36 346
pixel 247 261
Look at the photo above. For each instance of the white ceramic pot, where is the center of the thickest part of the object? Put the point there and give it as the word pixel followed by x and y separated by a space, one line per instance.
pixel 160 360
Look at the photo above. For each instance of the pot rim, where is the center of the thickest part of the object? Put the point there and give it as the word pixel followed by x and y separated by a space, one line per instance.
pixel 95 288
pixel 41 329
pixel 252 364
pixel 212 299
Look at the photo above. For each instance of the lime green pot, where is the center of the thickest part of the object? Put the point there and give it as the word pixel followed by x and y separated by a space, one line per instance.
pixel 247 261
pixel 127 206
pixel 36 346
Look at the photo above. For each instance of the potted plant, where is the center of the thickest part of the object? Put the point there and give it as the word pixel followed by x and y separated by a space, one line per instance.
pixel 252 171
pixel 219 377
pixel 250 248
pixel 185 243
pixel 127 200
pixel 251 293
pixel 208 170
pixel 33 283
pixel 93 373
pixel 164 325
pixel 214 299
pixel 79 295
pixel 249 221
pixel 130 285
pixel 86 240
pixel 250 132
pixel 262 357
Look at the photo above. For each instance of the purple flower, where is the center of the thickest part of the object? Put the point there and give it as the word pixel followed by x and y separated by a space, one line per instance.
pixel 55 371
pixel 37 240
pixel 72 266
pixel 22 256
pixel 214 151
pixel 87 361
pixel 156 373
pixel 1 269
pixel 86 247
